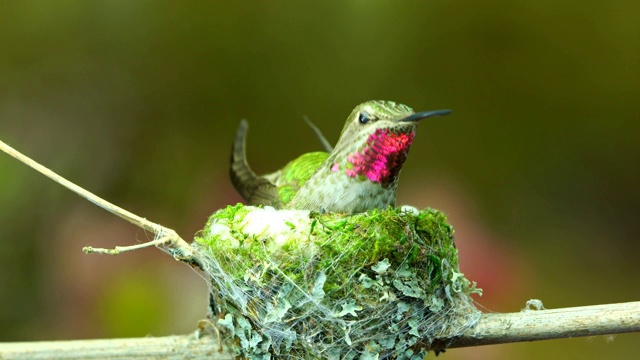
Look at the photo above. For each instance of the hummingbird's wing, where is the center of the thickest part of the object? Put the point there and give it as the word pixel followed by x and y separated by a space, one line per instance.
pixel 296 173
pixel 325 143
pixel 254 190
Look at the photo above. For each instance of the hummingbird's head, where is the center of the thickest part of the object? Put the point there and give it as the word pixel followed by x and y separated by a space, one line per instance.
pixel 375 140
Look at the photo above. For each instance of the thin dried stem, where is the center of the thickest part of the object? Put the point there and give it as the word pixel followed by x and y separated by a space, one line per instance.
pixel 166 238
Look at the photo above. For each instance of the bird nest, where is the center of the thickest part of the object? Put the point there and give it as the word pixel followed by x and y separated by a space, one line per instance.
pixel 294 284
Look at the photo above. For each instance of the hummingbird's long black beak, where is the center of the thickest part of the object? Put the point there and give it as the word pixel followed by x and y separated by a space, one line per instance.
pixel 425 114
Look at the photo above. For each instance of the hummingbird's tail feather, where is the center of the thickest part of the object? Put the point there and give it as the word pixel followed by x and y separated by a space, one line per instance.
pixel 242 177
pixel 253 189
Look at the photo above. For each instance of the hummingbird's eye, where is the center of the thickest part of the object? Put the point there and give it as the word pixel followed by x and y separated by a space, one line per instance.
pixel 364 118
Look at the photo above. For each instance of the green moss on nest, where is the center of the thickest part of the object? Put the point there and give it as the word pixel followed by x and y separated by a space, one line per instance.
pixel 383 283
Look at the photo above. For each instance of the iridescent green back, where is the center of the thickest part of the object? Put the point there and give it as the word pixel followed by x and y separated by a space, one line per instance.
pixel 297 172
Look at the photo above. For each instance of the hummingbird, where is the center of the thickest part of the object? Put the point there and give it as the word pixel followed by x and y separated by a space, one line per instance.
pixel 359 174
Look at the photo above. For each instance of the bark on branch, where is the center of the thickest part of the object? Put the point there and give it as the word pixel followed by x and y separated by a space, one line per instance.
pixel 527 325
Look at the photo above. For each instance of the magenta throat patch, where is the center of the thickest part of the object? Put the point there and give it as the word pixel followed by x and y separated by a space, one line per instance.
pixel 382 157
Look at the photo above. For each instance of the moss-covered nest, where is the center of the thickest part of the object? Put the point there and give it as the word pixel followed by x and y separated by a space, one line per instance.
pixel 291 284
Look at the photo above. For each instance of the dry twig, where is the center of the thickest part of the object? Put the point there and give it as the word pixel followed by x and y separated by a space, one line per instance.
pixel 165 238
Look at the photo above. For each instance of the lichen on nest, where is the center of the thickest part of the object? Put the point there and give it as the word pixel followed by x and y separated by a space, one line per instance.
pixel 294 284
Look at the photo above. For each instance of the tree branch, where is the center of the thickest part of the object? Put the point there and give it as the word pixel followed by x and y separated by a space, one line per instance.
pixel 167 347
pixel 527 325
pixel 533 325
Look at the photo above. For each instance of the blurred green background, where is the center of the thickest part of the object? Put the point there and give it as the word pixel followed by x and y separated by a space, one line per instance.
pixel 138 102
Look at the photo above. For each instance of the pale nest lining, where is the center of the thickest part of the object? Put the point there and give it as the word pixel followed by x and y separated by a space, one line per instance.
pixel 290 284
